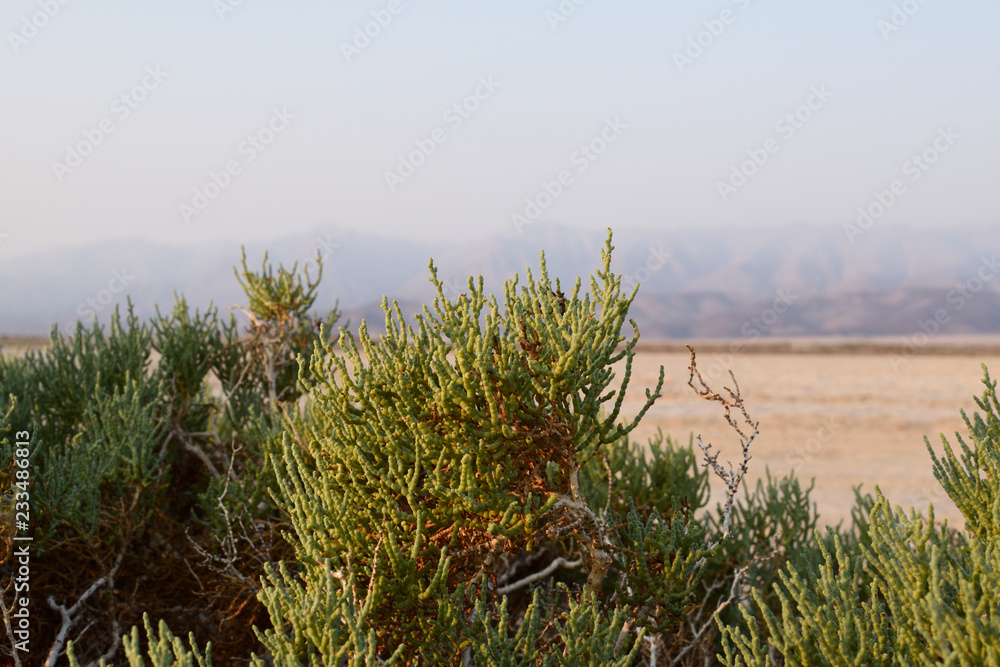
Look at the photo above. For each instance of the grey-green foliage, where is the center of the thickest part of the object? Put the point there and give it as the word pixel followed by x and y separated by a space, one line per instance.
pixel 654 475
pixel 94 412
pixel 114 450
pixel 162 648
pixel 659 562
pixel 77 365
pixel 911 592
pixel 192 346
pixel 772 526
pixel 116 411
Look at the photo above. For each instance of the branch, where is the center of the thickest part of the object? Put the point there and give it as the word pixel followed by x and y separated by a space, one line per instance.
pixel 68 614
pixel 710 621
pixel 577 508
pixel 542 574
pixel 7 624
pixel 730 477
pixel 200 453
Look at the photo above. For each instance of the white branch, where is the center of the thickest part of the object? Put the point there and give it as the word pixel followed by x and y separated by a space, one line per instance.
pixel 68 614
pixel 541 574
pixel 10 629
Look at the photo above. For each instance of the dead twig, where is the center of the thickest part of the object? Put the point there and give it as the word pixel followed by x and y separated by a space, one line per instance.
pixel 541 574
pixel 730 477
pixel 7 623
pixel 70 617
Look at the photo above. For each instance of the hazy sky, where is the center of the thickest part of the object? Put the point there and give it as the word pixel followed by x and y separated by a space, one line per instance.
pixel 195 120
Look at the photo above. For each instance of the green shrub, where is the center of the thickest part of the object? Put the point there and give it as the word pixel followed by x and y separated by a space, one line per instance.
pixel 465 490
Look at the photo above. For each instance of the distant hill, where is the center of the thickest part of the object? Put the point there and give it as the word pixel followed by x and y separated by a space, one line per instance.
pixel 694 283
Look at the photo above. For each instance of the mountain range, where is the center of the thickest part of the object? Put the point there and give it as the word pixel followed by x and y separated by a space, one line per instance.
pixel 793 280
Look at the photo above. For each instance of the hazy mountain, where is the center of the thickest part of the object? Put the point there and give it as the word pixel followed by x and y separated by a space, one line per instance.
pixel 785 281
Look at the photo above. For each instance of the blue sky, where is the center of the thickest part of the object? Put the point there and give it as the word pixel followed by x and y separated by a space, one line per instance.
pixel 683 102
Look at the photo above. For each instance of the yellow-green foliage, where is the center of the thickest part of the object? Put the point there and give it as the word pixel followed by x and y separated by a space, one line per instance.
pixel 433 453
pixel 465 491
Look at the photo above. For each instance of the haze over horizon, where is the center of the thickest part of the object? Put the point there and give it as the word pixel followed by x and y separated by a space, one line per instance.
pixel 211 120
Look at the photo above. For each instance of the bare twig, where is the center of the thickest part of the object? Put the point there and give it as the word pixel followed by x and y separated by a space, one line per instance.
pixel 733 597
pixel 730 477
pixel 69 616
pixel 7 624
pixel 117 630
pixel 229 543
pixel 654 645
pixel 200 453
pixel 541 574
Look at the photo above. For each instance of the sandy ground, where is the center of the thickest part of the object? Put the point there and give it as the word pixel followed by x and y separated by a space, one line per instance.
pixel 842 419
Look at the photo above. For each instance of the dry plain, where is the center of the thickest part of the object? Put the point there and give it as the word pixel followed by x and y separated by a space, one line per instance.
pixel 843 418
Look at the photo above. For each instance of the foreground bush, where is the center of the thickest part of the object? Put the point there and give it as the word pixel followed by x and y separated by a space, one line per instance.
pixel 463 491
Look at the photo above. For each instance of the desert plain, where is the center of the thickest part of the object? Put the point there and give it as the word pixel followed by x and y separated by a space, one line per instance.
pixel 841 417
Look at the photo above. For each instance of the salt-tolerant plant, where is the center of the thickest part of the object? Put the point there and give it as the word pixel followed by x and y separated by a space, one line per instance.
pixel 463 491
pixel 912 592
pixel 162 648
pixel 129 439
pixel 442 448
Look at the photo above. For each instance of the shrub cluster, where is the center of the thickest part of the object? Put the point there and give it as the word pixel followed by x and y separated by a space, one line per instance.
pixel 465 490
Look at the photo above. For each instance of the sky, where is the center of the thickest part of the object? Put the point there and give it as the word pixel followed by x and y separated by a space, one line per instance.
pixel 204 120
